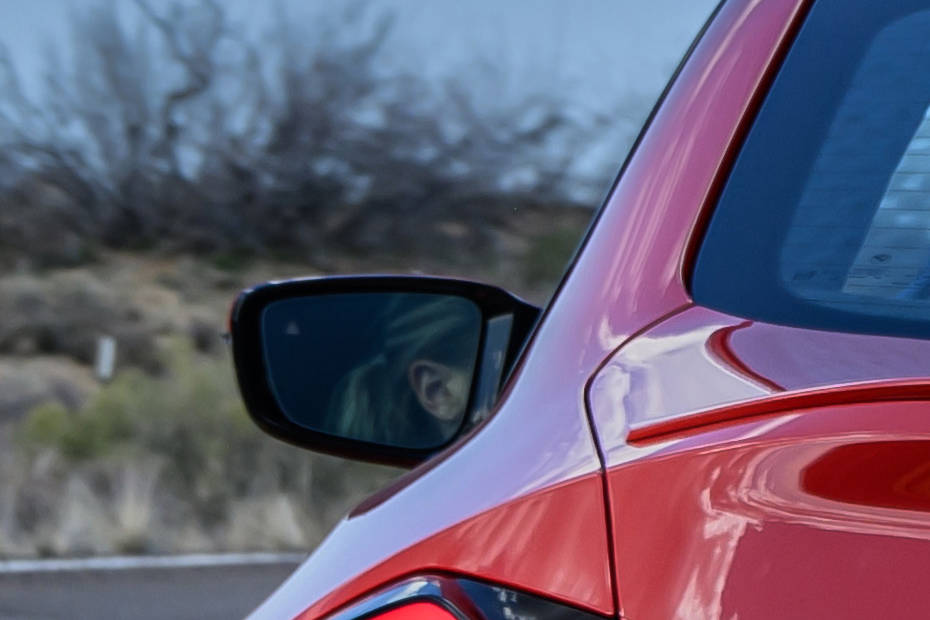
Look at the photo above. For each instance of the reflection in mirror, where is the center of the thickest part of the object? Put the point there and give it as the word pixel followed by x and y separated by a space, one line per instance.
pixel 387 368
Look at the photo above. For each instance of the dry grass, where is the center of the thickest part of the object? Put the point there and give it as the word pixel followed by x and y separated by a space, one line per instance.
pixel 166 463
pixel 163 458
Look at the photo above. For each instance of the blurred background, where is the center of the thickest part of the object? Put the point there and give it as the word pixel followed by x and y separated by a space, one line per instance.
pixel 158 156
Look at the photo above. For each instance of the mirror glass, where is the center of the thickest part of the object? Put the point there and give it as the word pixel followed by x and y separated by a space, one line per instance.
pixel 388 368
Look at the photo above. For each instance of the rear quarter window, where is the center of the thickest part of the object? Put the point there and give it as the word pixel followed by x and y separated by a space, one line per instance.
pixel 825 220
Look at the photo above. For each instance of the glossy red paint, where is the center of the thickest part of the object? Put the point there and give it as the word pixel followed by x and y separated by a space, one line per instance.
pixel 886 474
pixel 789 516
pixel 749 470
pixel 775 471
pixel 760 471
pixel 720 345
pixel 703 367
pixel 496 506
pixel 515 544
pixel 875 392
pixel 746 512
pixel 521 502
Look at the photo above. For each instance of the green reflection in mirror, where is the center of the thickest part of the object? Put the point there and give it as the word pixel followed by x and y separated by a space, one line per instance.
pixel 388 368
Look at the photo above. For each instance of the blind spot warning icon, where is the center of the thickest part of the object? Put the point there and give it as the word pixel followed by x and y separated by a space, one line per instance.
pixel 292 329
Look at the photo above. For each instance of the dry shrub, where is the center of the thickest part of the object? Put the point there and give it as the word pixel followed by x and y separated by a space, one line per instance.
pixel 307 140
pixel 26 383
pixel 65 312
pixel 169 463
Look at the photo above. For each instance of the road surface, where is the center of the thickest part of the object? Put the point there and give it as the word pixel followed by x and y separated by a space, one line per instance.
pixel 204 592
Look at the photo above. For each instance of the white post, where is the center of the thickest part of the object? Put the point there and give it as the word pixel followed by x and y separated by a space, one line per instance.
pixel 105 361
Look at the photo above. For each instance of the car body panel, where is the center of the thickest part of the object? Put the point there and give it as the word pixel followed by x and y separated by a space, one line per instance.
pixel 539 442
pixel 548 537
pixel 714 439
pixel 814 513
pixel 536 450
pixel 442 514
pixel 754 470
pixel 701 365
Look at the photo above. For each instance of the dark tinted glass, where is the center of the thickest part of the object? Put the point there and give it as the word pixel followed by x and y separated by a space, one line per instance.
pixel 387 368
pixel 825 221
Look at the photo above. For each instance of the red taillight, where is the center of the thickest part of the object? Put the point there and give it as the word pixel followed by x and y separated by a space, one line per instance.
pixel 431 597
pixel 416 611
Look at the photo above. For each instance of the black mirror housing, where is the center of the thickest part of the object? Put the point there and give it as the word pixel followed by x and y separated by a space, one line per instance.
pixel 294 382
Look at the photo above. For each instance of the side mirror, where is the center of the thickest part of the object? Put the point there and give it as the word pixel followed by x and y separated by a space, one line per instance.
pixel 387 369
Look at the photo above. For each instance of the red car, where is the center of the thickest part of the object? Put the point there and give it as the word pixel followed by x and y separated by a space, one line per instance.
pixel 723 413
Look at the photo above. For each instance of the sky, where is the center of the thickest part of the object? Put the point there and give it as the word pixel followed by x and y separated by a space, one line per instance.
pixel 607 57
pixel 601 48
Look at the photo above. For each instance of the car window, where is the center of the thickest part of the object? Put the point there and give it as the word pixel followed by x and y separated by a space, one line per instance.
pixel 825 221
pixel 893 261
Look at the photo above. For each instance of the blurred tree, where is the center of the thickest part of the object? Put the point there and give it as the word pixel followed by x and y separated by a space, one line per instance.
pixel 176 128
